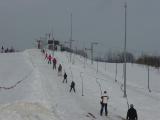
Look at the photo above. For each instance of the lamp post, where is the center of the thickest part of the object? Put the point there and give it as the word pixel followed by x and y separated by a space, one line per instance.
pixel 82 83
pixel 124 67
pixel 84 57
pixel 70 41
pixel 92 44
pixel 116 72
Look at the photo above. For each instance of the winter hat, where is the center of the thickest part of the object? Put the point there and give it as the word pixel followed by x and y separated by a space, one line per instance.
pixel 131 105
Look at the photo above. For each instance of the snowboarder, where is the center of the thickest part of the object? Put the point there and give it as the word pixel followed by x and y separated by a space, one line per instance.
pixel 65 77
pixel 132 113
pixel 104 100
pixel 54 63
pixel 60 70
pixel 72 86
pixel 49 59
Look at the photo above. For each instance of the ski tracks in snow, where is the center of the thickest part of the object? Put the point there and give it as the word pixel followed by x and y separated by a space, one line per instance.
pixel 63 106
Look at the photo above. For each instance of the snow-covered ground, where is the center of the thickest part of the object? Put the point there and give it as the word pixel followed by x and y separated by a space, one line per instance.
pixel 31 90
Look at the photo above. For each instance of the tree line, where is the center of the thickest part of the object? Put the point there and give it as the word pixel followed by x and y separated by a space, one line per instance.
pixel 118 57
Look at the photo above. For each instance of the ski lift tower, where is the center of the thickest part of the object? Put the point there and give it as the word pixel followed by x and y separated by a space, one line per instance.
pixel 50 44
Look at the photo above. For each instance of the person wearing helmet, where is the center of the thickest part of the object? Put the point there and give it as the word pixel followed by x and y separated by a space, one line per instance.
pixel 104 100
pixel 132 113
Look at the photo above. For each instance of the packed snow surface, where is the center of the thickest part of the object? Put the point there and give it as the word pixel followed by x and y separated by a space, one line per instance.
pixel 31 90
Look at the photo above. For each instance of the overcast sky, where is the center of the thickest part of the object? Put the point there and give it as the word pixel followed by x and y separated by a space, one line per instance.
pixel 22 21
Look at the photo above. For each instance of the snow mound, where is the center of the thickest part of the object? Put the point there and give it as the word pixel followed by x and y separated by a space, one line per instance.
pixel 25 111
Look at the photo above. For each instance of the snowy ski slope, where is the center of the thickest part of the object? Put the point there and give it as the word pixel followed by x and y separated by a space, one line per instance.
pixel 31 90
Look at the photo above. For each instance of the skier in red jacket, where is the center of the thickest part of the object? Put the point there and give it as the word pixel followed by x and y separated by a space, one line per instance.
pixel 49 59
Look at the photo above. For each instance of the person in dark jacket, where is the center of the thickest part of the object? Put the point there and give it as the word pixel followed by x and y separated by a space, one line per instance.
pixel 132 113
pixel 60 70
pixel 65 77
pixel 54 63
pixel 72 86
pixel 2 49
pixel 43 51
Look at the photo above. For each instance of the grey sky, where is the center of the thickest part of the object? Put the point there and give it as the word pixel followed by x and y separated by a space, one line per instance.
pixel 21 21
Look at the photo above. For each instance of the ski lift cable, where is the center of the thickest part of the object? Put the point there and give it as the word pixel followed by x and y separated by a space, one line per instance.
pixel 99 86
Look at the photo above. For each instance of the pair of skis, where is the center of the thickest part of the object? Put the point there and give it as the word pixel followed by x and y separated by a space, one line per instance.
pixel 93 117
pixel 90 115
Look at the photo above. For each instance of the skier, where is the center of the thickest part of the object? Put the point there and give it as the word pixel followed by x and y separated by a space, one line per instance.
pixel 54 63
pixel 2 49
pixel 6 50
pixel 72 86
pixel 43 51
pixel 49 59
pixel 65 77
pixel 132 113
pixel 104 100
pixel 60 70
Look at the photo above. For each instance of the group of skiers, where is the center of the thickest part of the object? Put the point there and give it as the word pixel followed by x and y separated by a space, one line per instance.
pixel 53 60
pixel 131 113
pixel 7 50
